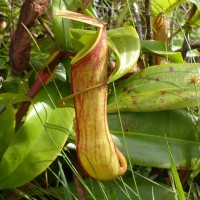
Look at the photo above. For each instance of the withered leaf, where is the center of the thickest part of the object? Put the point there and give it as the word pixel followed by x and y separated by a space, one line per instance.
pixel 20 44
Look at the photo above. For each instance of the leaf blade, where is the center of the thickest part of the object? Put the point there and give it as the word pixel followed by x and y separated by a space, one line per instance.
pixel 125 43
pixel 37 143
pixel 156 88
pixel 146 133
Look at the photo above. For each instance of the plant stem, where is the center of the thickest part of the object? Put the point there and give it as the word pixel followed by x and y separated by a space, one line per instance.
pixel 149 32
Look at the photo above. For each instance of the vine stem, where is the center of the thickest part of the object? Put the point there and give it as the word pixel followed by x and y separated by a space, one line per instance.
pixel 61 103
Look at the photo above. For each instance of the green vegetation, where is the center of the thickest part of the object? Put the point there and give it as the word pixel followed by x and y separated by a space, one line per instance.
pixel 69 70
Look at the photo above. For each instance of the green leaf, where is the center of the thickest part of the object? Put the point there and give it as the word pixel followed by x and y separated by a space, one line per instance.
pixel 146 134
pixel 195 21
pixel 7 118
pixel 61 26
pixel 168 6
pixel 125 43
pixel 66 191
pixel 159 48
pixel 120 189
pixel 126 189
pixel 156 88
pixel 81 37
pixel 37 143
pixel 175 174
pixel 5 98
pixel 7 130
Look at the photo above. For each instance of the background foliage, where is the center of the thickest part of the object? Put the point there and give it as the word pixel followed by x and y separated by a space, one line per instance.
pixel 153 102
